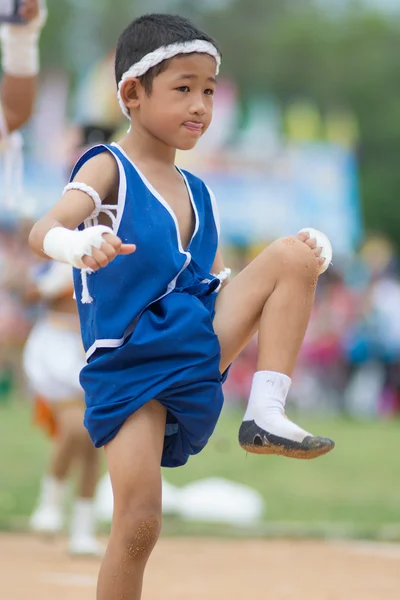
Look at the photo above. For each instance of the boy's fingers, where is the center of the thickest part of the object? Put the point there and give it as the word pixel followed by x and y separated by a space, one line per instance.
pixel 113 240
pixel 90 263
pixel 117 244
pixel 108 250
pixel 100 257
pixel 127 249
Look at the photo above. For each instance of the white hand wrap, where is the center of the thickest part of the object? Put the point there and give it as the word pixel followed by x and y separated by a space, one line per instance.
pixel 71 246
pixel 323 242
pixel 19 43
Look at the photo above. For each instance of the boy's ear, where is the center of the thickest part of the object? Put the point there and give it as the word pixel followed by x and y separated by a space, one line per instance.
pixel 130 93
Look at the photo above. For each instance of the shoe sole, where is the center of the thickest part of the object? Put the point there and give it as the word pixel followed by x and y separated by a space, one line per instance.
pixel 255 440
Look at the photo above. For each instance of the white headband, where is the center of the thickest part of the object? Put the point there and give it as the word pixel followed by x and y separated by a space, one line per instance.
pixel 155 58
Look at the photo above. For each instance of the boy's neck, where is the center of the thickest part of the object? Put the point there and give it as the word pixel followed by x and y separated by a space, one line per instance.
pixel 142 147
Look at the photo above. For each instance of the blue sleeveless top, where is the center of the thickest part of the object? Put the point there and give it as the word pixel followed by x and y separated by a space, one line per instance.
pixel 130 283
pixel 149 333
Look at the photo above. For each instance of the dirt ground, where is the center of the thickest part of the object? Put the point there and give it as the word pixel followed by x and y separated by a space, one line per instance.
pixel 196 568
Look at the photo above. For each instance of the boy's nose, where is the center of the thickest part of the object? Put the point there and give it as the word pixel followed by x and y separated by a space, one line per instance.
pixel 198 107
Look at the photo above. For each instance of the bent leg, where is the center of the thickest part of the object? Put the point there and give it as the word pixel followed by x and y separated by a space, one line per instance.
pixel 274 294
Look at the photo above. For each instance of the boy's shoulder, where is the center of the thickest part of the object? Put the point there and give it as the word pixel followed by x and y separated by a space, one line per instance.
pixel 98 158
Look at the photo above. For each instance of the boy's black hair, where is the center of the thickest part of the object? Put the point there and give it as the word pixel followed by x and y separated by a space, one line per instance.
pixel 148 33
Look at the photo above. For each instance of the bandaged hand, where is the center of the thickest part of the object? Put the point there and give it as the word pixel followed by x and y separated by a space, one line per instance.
pixel 92 248
pixel 19 42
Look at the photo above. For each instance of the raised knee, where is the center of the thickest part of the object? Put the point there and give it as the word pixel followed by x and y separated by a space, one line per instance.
pixel 296 258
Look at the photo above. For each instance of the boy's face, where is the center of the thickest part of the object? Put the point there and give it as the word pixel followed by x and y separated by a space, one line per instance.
pixel 179 108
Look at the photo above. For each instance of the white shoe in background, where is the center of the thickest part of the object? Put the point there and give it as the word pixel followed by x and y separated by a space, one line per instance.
pixel 48 520
pixel 48 517
pixel 82 540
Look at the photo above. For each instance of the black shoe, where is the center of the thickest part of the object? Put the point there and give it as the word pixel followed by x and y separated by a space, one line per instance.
pixel 257 441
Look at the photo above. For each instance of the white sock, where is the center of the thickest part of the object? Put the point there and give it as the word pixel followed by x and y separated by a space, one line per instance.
pixel 82 541
pixel 83 518
pixel 266 406
pixel 52 492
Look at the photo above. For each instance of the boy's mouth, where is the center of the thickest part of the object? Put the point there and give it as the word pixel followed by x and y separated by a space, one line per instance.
pixel 194 126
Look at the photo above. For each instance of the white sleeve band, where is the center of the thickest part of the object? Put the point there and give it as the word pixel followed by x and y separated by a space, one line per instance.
pixel 87 189
pixel 19 44
pixel 71 246
pixel 56 281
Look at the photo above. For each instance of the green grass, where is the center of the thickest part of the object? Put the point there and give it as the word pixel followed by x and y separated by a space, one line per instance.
pixel 23 456
pixel 355 490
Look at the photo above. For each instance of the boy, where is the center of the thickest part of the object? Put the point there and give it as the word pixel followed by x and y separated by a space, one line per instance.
pixel 158 334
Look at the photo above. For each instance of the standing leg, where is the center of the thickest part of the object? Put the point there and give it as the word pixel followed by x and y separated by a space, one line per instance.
pixel 134 458
pixel 274 295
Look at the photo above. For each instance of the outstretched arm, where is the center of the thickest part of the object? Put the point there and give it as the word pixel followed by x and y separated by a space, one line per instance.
pixel 20 62
pixel 55 235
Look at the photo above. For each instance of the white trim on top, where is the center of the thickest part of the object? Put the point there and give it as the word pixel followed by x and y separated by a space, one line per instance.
pixel 191 198
pixel 215 210
pixel 122 188
pixel 105 343
pixel 118 342
pixel 162 200
pixel 98 202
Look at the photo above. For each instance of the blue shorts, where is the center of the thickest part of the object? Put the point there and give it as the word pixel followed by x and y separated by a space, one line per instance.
pixel 172 356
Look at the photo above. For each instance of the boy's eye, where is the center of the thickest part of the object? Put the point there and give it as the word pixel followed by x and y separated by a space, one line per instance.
pixel 183 88
pixel 209 92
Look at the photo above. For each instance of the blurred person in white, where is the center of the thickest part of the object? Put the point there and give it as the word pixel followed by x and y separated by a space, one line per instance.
pixel 19 41
pixel 20 64
pixel 19 49
pixel 52 360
